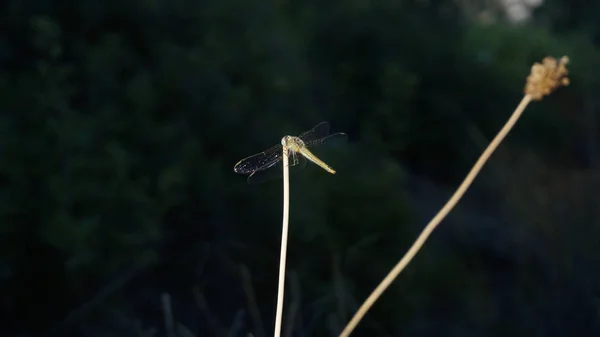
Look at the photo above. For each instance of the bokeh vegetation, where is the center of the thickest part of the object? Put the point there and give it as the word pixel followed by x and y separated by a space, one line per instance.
pixel 120 124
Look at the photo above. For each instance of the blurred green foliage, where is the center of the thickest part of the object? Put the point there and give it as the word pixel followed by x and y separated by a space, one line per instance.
pixel 120 124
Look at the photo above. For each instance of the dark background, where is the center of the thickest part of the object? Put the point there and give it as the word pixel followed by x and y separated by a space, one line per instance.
pixel 120 123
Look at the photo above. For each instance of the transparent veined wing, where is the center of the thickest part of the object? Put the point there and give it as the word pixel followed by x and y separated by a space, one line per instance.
pixel 319 135
pixel 336 139
pixel 260 161
pixel 297 163
pixel 319 131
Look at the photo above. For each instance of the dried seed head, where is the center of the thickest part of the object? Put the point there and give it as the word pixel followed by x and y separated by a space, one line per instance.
pixel 547 77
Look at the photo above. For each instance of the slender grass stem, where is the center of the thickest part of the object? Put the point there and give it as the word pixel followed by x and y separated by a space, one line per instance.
pixel 544 78
pixel 432 225
pixel 284 238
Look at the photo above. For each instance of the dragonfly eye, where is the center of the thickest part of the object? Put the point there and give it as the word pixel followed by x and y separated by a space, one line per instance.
pixel 285 140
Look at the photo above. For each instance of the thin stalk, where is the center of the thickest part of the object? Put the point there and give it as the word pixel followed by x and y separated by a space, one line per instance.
pixel 432 225
pixel 284 238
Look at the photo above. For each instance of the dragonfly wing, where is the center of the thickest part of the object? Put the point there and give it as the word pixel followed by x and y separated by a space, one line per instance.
pixel 271 173
pixel 297 163
pixel 259 161
pixel 336 139
pixel 319 131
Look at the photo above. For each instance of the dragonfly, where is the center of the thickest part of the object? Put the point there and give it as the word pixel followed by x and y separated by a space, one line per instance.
pixel 266 165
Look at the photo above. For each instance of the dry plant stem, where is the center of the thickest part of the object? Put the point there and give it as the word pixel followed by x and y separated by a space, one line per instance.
pixel 284 237
pixel 168 313
pixel 252 306
pixel 431 226
pixel 217 328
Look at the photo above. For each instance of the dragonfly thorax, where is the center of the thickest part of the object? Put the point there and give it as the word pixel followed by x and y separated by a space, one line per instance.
pixel 292 143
